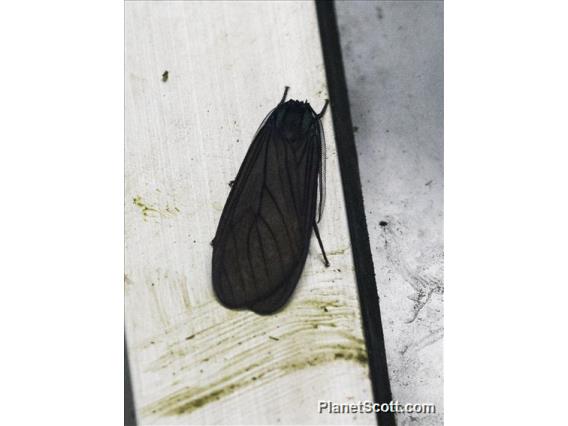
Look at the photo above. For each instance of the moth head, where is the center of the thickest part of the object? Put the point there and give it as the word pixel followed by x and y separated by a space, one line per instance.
pixel 294 119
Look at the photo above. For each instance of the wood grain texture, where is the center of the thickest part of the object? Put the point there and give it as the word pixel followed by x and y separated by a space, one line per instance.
pixel 193 361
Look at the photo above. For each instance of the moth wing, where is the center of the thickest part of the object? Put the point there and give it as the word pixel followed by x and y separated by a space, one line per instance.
pixel 263 237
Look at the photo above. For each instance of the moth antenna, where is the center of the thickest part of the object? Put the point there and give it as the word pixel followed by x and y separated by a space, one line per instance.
pixel 286 88
pixel 321 182
pixel 320 115
pixel 321 171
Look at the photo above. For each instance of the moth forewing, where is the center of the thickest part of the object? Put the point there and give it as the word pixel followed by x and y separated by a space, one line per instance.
pixel 263 236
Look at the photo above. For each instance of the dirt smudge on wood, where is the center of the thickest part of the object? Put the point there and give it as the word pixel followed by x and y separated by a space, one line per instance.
pixel 339 251
pixel 191 398
pixel 145 208
pixel 151 211
pixel 242 352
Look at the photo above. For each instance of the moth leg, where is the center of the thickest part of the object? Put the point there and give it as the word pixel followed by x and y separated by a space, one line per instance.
pixel 320 115
pixel 316 230
pixel 285 93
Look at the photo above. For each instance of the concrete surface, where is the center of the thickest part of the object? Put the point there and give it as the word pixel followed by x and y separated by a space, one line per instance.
pixel 393 55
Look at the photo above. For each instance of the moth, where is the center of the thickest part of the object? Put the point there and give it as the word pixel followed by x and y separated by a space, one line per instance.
pixel 275 202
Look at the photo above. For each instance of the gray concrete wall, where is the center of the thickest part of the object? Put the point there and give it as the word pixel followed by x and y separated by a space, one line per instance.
pixel 393 56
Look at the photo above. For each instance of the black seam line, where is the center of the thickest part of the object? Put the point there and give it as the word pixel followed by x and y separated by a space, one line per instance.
pixel 361 250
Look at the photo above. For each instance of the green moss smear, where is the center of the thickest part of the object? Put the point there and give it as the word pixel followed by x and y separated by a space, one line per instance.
pixel 146 209
pixel 192 398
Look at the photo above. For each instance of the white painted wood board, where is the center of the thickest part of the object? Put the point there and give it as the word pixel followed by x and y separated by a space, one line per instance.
pixel 192 361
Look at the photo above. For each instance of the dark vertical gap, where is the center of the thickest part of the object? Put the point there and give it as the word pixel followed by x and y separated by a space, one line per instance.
pixel 129 410
pixel 348 164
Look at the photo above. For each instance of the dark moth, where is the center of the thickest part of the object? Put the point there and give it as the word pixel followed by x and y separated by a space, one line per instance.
pixel 262 240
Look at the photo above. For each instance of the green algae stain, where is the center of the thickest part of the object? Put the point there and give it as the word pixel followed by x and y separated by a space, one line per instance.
pixel 338 251
pixel 358 356
pixel 207 398
pixel 190 399
pixel 145 208
pixel 243 372
pixel 152 211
